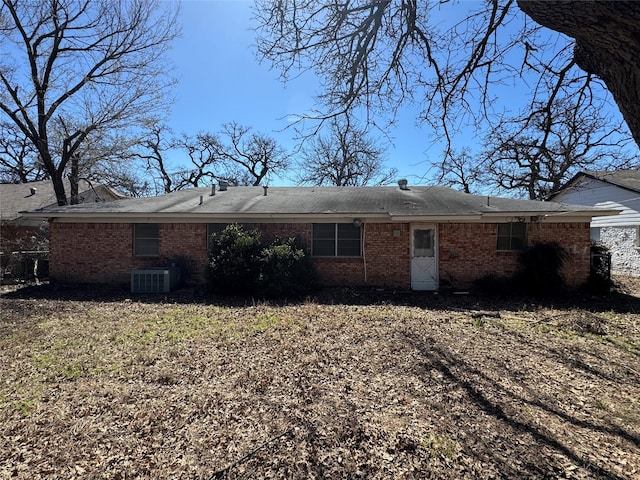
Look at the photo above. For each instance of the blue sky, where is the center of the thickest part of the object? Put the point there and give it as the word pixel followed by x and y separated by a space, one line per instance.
pixel 221 80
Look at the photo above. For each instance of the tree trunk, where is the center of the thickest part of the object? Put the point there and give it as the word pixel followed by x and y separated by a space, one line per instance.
pixel 55 174
pixel 74 179
pixel 58 188
pixel 607 36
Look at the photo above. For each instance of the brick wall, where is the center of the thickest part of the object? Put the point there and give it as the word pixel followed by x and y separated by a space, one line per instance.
pixel 468 251
pixel 575 238
pixel 386 255
pixel 102 252
pixel 386 248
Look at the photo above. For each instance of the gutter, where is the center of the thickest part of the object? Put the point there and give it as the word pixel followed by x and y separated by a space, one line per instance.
pixel 299 217
pixel 435 218
pixel 142 217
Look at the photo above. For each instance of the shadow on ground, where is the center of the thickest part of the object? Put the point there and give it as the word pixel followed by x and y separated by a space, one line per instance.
pixel 619 300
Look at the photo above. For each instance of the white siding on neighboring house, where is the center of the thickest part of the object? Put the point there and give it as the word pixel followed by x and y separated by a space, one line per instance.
pixel 618 232
pixel 589 191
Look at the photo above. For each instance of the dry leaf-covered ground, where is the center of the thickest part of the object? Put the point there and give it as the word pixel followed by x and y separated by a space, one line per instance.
pixel 348 385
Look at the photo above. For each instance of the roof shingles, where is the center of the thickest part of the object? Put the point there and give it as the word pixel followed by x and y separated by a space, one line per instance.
pixel 303 201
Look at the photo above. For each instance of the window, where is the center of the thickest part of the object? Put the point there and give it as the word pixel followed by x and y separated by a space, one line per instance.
pixel 146 240
pixel 336 240
pixel 423 245
pixel 512 236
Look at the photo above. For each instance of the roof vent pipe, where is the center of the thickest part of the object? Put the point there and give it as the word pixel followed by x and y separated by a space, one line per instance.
pixel 223 185
pixel 33 190
pixel 213 190
pixel 265 189
pixel 402 183
pixel 201 200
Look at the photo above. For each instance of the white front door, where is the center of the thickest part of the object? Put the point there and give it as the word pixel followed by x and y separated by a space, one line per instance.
pixel 424 257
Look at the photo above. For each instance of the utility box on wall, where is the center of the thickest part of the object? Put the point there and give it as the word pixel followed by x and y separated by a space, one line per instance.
pixel 154 280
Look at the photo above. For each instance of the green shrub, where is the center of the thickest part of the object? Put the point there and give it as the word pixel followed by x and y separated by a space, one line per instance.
pixel 540 271
pixel 286 269
pixel 240 263
pixel 540 274
pixel 234 266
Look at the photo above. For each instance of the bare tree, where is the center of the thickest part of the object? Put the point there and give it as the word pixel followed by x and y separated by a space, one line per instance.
pixel 606 43
pixel 202 152
pixel 345 155
pixel 459 169
pixel 235 154
pixel 78 67
pixel 19 162
pixel 536 159
pixel 152 150
pixel 108 158
pixel 252 155
pixel 381 54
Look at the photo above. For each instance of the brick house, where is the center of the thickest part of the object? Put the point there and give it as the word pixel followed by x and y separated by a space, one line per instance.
pixel 21 235
pixel 17 231
pixel 419 237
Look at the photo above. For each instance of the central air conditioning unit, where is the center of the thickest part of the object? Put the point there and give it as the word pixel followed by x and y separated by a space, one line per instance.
pixel 154 280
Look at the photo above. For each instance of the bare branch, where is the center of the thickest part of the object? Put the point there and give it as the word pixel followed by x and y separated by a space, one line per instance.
pixel 344 156
pixel 91 66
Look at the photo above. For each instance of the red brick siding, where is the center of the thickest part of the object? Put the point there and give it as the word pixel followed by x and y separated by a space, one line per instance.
pixel 468 251
pixel 575 238
pixel 103 252
pixel 387 254
pixel 332 271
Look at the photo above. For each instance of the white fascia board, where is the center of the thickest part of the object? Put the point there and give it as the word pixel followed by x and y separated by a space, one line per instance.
pixel 579 216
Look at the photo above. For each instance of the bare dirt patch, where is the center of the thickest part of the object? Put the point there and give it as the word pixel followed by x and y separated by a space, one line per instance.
pixel 347 385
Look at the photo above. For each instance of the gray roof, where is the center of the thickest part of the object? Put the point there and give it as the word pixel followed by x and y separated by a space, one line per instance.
pixel 627 179
pixel 296 202
pixel 18 197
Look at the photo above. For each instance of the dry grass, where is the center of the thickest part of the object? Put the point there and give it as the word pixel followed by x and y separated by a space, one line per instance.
pixel 347 386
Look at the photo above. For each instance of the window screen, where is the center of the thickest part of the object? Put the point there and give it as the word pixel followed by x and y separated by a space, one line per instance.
pixel 512 236
pixel 336 240
pixel 146 240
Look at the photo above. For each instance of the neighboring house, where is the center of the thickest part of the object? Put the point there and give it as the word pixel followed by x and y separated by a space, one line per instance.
pixel 18 231
pixel 422 238
pixel 20 234
pixel 620 233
